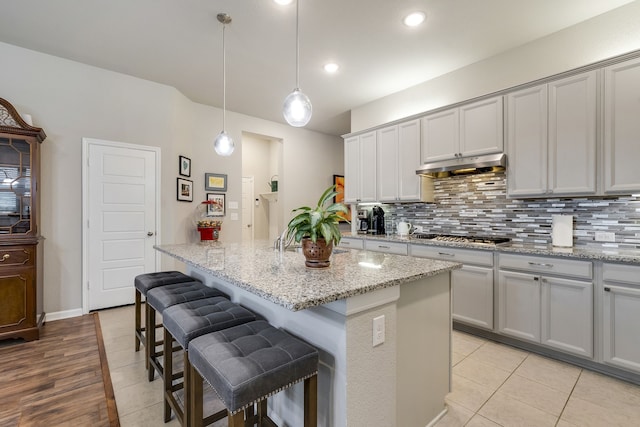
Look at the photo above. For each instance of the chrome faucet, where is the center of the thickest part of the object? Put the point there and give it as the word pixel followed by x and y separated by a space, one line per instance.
pixel 282 242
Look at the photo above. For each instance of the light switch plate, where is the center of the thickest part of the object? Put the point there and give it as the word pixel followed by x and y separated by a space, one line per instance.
pixel 234 216
pixel 378 330
pixel 233 205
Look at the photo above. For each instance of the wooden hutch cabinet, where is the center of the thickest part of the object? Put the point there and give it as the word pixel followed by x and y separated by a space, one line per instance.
pixel 20 254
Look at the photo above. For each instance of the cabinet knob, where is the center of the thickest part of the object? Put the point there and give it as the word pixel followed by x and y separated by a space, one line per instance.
pixel 607 289
pixel 5 257
pixel 149 233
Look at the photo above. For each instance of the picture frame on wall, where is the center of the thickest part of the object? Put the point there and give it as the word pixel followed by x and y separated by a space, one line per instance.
pixel 217 207
pixel 185 190
pixel 184 166
pixel 338 181
pixel 215 182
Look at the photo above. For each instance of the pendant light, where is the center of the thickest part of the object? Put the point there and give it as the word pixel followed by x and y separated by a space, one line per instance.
pixel 297 106
pixel 223 144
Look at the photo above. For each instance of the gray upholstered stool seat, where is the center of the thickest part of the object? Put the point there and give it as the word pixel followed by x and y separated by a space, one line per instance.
pixel 183 322
pixel 158 300
pixel 144 282
pixel 246 364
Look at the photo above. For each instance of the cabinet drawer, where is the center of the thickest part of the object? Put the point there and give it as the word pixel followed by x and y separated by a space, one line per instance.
pixel 17 255
pixel 450 254
pixel 621 273
pixel 386 247
pixel 544 265
pixel 347 242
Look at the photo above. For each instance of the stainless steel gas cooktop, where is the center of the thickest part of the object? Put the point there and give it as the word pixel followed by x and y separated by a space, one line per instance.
pixel 487 240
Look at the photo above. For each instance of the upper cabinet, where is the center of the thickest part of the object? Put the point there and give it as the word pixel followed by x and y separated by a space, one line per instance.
pixel 622 127
pixel 360 168
pixel 398 158
pixel 470 130
pixel 551 138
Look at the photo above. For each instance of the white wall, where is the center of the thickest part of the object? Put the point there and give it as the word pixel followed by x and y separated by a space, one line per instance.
pixel 71 100
pixel 602 37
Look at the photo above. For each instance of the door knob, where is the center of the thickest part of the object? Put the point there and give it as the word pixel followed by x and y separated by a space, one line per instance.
pixel 149 233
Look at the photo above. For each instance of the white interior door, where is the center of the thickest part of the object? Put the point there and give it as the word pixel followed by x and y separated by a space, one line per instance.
pixel 247 209
pixel 120 215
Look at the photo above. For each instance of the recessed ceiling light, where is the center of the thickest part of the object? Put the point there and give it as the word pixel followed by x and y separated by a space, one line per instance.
pixel 414 19
pixel 331 67
pixel 283 2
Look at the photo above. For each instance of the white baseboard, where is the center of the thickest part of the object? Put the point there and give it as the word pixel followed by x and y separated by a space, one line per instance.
pixel 58 315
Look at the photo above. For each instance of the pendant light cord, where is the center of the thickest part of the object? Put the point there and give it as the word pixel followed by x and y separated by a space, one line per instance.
pixel 297 48
pixel 224 80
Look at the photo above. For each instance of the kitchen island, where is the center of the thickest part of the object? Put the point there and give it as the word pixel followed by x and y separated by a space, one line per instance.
pixel 400 382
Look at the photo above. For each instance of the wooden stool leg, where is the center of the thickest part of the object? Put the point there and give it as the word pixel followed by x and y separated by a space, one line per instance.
pixel 262 411
pixel 167 373
pixel 186 381
pixel 138 320
pixel 311 401
pixel 195 410
pixel 236 420
pixel 150 338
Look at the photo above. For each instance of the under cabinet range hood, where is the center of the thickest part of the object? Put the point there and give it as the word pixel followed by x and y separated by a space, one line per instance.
pixel 464 165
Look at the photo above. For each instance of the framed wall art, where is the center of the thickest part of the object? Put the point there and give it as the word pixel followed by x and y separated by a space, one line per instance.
pixel 215 182
pixel 217 206
pixel 338 181
pixel 185 190
pixel 184 167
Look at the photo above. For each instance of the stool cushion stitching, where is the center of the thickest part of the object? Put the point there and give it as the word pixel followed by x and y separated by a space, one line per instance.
pixel 144 282
pixel 169 295
pixel 192 319
pixel 235 389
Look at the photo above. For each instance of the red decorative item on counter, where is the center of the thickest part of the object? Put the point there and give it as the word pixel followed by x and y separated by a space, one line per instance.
pixel 209 228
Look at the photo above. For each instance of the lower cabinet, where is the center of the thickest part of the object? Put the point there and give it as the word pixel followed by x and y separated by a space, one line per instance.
pixel 621 316
pixel 545 309
pixel 18 293
pixel 471 286
pixel 386 247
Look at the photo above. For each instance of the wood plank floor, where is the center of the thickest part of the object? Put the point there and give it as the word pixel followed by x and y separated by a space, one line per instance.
pixel 57 380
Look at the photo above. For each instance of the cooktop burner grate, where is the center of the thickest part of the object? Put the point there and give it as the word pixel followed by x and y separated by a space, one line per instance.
pixel 488 240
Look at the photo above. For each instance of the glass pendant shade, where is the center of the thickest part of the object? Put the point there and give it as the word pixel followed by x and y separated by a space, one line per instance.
pixel 223 144
pixel 297 109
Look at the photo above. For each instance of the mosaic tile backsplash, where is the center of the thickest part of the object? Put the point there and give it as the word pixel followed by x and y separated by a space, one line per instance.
pixel 478 205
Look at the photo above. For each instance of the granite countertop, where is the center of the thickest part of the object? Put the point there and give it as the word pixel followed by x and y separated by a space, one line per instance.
pixel 611 254
pixel 283 279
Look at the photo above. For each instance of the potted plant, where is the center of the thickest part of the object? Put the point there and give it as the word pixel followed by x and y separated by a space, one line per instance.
pixel 317 228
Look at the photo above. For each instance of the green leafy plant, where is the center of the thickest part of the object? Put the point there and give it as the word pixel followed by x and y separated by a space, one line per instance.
pixel 318 222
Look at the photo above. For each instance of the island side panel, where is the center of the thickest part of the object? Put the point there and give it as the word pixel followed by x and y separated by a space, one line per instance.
pixel 371 371
pixel 424 350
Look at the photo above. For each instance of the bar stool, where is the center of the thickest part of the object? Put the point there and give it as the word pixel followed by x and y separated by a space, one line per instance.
pixel 184 322
pixel 158 300
pixel 245 365
pixel 143 283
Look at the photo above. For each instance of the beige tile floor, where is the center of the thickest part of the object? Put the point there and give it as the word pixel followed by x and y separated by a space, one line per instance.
pixel 493 385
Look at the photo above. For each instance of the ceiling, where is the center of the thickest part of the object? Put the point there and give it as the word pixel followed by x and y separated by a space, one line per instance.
pixel 179 43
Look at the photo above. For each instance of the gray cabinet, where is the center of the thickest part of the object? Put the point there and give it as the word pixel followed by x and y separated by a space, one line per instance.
pixel 622 127
pixel 398 158
pixel 547 301
pixel 621 316
pixel 360 168
pixel 470 130
pixel 472 285
pixel 386 247
pixel 551 138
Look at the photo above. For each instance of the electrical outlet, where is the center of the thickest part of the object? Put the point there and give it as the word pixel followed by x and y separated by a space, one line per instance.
pixel 378 330
pixel 603 236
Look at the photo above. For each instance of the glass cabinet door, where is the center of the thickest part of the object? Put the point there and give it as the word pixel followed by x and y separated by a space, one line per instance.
pixel 15 185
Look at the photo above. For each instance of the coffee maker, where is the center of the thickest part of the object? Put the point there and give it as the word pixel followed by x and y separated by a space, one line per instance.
pixel 376 223
pixel 363 221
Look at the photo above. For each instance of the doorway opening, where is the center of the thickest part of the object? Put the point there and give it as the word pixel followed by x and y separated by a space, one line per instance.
pixel 261 165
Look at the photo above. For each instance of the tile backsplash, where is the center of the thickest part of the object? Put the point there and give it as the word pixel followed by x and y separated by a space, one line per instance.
pixel 478 205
